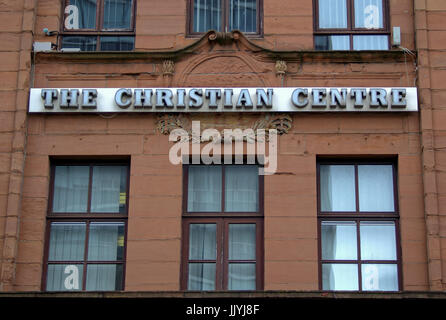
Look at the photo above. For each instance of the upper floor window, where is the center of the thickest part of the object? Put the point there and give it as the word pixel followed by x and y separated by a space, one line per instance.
pixel 98 25
pixel 358 226
pixel 225 16
pixel 86 227
pixel 351 25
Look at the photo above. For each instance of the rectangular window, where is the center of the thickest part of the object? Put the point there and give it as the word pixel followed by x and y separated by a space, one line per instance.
pixel 351 25
pixel 225 16
pixel 222 228
pixel 86 230
pixel 358 226
pixel 98 25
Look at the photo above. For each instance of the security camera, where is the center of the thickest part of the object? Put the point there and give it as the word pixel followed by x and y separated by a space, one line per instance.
pixel 49 33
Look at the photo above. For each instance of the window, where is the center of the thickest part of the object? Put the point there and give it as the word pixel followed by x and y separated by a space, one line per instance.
pixel 358 226
pixel 351 25
pixel 225 16
pixel 222 228
pixel 98 25
pixel 86 227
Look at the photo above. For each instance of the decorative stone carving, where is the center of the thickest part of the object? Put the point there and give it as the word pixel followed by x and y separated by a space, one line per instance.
pixel 223 37
pixel 281 122
pixel 168 67
pixel 281 67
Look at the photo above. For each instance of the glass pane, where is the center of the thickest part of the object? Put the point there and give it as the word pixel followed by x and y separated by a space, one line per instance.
pixel 204 188
pixel 64 277
pixel 381 277
pixel 117 43
pixel 106 241
pixel 337 188
pixel 117 14
pixel 370 42
pixel 243 15
pixel 332 14
pixel 67 241
pixel 369 14
pixel 201 276
pixel 242 188
pixel 340 277
pixel 207 15
pixel 376 188
pixel 84 43
pixel 339 240
pixel 242 276
pixel 332 42
pixel 202 242
pixel 378 240
pixel 242 242
pixel 109 189
pixel 70 189
pixel 102 277
pixel 81 14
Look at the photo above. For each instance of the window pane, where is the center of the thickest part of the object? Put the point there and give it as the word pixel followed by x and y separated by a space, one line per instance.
pixel 201 276
pixel 104 277
pixel 369 14
pixel 243 15
pixel 81 14
pixel 64 277
pixel 204 188
pixel 241 188
pixel 332 14
pixel 339 240
pixel 242 241
pixel 117 14
pixel 370 42
pixel 332 42
pixel 242 276
pixel 202 242
pixel 340 277
pixel 106 241
pixel 207 15
pixel 337 188
pixel 378 240
pixel 109 189
pixel 117 43
pixel 376 188
pixel 383 277
pixel 67 241
pixel 70 189
pixel 84 43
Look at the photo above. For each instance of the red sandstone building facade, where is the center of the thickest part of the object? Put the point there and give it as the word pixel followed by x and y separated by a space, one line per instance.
pixel 89 200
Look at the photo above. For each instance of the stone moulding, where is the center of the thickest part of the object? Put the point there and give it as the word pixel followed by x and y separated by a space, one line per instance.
pixel 281 122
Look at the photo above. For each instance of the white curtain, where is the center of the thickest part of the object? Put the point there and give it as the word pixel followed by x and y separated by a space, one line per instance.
pixel 371 42
pixel 339 240
pixel 243 15
pixel 337 188
pixel 204 188
pixel 104 277
pixel 202 246
pixel 376 188
pixel 332 14
pixel 369 14
pixel 207 15
pixel 379 277
pixel 117 14
pixel 108 182
pixel 340 276
pixel 242 276
pixel 87 13
pixel 378 240
pixel 70 189
pixel 241 188
pixel 105 241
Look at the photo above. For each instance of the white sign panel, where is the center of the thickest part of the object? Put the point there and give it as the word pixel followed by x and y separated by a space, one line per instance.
pixel 290 99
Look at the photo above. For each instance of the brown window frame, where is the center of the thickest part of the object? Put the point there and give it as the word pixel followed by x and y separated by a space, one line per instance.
pixel 87 218
pixel 351 30
pixel 225 20
pixel 357 217
pixel 98 31
pixel 222 220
